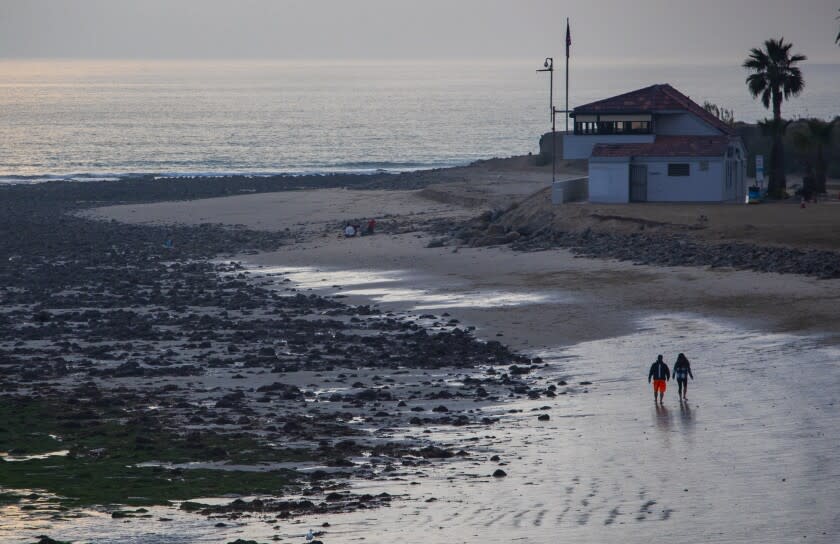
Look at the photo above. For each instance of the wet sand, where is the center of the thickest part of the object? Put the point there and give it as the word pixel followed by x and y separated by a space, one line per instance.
pixel 744 460
pixel 748 458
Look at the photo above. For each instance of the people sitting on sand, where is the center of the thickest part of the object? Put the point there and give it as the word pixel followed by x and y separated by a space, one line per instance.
pixel 371 226
pixel 660 374
pixel 349 231
pixel 682 370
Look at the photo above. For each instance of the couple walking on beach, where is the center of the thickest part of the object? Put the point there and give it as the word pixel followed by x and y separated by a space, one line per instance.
pixel 660 374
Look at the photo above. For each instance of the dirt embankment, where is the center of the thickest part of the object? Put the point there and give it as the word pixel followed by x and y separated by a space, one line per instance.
pixel 781 224
pixel 773 237
pixel 497 183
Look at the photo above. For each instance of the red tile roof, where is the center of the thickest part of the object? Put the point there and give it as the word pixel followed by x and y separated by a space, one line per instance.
pixel 659 97
pixel 667 146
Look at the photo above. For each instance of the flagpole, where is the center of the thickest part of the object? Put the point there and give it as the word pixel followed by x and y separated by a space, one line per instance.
pixel 568 45
pixel 548 66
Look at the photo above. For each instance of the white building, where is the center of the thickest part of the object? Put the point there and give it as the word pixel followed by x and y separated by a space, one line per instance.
pixel 656 145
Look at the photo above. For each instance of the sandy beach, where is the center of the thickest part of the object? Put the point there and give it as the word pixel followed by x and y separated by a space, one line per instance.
pixel 407 272
pixel 749 454
pixel 608 294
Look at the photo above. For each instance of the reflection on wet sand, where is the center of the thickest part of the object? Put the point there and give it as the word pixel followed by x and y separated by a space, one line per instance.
pixel 686 417
pixel 663 418
pixel 377 287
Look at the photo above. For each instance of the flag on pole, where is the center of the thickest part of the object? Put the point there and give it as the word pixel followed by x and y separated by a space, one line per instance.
pixel 568 38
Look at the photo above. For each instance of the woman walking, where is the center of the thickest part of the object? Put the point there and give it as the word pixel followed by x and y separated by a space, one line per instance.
pixel 682 370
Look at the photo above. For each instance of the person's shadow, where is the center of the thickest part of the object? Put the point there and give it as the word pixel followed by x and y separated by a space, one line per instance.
pixel 663 418
pixel 686 416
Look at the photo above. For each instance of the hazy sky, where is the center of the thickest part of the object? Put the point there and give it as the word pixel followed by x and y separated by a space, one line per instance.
pixel 652 30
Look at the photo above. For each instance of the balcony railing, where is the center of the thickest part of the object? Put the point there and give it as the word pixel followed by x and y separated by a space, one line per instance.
pixel 612 127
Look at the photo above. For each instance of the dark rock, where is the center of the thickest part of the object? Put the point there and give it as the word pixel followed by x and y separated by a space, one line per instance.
pixel 230 400
pixel 373 394
pixel 43 539
pixel 284 391
pixel 434 452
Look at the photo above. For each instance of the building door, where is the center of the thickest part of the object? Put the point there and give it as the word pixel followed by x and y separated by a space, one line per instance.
pixel 638 183
pixel 734 185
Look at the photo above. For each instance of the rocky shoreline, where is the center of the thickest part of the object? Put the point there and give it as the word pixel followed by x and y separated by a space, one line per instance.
pixel 130 351
pixel 649 246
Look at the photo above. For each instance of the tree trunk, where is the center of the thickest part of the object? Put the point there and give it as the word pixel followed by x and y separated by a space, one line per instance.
pixel 777 183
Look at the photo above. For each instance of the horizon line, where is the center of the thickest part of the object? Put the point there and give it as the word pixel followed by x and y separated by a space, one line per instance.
pixel 604 61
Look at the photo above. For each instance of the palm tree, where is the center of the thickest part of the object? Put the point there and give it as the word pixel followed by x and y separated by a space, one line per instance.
pixel 776 78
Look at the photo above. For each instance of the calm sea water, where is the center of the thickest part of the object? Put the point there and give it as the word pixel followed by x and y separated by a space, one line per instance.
pixel 94 119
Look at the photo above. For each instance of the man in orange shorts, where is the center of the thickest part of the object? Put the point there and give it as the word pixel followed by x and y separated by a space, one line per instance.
pixel 660 374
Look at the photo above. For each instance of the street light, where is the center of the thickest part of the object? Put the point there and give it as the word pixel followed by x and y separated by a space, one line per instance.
pixel 548 66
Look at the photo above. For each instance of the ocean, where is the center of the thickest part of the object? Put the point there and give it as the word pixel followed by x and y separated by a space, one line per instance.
pixel 88 120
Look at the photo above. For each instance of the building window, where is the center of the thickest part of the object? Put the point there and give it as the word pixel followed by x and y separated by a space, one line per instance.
pixel 606 128
pixel 586 127
pixel 612 127
pixel 678 170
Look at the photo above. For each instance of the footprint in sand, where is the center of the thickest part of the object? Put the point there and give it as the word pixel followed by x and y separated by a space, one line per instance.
pixel 614 513
pixel 562 514
pixel 645 510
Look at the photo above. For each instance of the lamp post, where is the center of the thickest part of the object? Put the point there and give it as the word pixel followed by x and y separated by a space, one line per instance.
pixel 548 66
